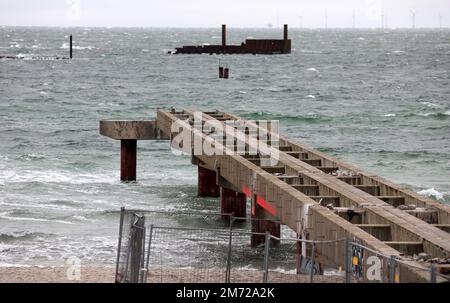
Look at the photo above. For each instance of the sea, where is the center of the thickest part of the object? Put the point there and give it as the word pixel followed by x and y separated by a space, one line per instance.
pixel 379 99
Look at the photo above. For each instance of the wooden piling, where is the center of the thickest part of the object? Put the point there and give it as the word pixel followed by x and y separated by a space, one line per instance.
pixel 71 47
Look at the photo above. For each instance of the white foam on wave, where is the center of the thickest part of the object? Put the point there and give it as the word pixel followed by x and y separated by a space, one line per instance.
pixel 26 176
pixel 431 192
pixel 311 69
pixel 430 104
pixel 39 206
pixel 311 97
pixel 4 215
pixel 389 115
pixel 77 47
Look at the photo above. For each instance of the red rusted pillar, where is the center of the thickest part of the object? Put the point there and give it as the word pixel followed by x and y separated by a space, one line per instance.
pixel 220 72
pixel 285 32
pixel 128 160
pixel 261 224
pixel 298 255
pixel 207 186
pixel 226 73
pixel 233 202
pixel 224 35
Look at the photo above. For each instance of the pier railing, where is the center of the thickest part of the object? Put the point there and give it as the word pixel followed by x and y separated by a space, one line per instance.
pixel 158 247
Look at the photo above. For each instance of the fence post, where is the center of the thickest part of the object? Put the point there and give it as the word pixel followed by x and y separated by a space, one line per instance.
pixel 311 271
pixel 266 258
pixel 142 263
pixel 392 271
pixel 119 245
pixel 228 270
pixel 148 252
pixel 348 261
pixel 433 273
pixel 136 242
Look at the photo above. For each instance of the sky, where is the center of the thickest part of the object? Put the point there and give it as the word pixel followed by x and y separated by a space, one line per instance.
pixel 235 13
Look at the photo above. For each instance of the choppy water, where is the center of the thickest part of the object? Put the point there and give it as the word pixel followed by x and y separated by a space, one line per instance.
pixel 377 99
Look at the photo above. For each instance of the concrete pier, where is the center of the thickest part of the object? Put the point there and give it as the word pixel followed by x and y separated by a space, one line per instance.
pixel 314 194
pixel 128 132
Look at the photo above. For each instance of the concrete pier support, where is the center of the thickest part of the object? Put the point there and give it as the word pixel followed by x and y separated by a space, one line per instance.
pixel 262 223
pixel 128 151
pixel 233 202
pixel 207 186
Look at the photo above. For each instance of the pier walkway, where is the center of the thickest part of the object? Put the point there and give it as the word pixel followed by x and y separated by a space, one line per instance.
pixel 317 196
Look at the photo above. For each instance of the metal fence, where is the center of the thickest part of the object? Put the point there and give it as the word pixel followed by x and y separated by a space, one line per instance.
pixel 157 247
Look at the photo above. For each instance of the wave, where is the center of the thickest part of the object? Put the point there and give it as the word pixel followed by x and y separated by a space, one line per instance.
pixel 439 115
pixel 431 192
pixel 28 176
pixel 7 216
pixel 23 235
pixel 309 117
pixel 77 47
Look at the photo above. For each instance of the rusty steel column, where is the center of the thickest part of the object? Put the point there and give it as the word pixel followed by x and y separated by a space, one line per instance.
pixel 233 202
pixel 128 150
pixel 261 224
pixel 207 186
pixel 298 255
pixel 224 35
pixel 285 32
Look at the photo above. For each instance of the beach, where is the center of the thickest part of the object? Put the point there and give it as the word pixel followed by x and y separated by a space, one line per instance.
pixel 105 274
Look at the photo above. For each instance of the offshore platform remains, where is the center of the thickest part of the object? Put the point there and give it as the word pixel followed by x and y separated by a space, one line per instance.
pixel 250 46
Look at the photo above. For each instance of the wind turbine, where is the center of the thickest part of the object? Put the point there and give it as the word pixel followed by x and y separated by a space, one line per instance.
pixel 353 20
pixel 300 21
pixel 440 21
pixel 413 19
pixel 326 19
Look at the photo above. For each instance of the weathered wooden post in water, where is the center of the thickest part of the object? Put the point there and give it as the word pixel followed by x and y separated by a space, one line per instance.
pixel 129 132
pixel 71 47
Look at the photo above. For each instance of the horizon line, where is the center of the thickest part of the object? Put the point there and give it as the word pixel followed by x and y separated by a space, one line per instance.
pixel 228 27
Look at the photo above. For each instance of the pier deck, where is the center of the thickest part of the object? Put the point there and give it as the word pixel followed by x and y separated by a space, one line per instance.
pixel 317 196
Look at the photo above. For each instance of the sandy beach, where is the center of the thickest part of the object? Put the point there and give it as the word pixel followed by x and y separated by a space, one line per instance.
pixel 92 274
pixel 102 274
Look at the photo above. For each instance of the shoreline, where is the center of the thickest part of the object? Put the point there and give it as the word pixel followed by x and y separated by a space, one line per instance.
pixel 56 274
pixel 105 274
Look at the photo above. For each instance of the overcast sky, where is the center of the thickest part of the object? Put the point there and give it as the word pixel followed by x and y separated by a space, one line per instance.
pixel 236 13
